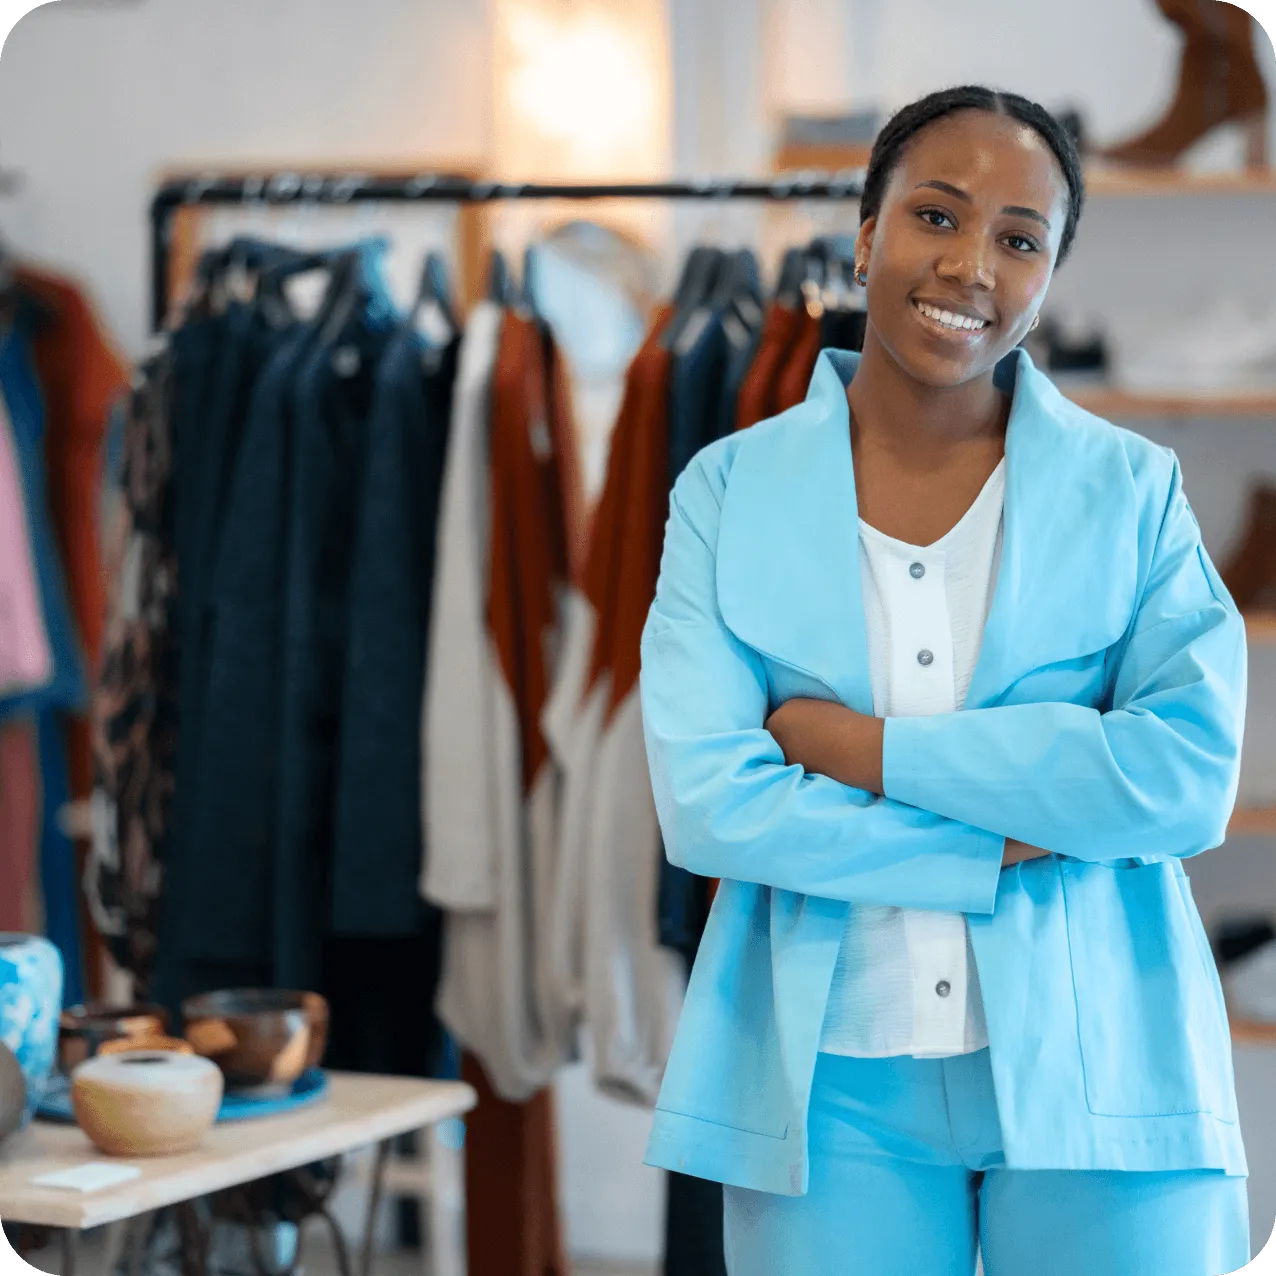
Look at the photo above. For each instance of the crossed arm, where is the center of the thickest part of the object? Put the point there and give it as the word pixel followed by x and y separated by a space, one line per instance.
pixel 826 738
pixel 791 799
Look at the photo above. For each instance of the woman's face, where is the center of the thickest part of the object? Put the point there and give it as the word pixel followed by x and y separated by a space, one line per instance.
pixel 961 253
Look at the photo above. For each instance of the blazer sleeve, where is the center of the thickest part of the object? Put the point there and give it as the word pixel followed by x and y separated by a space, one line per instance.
pixel 728 804
pixel 1153 777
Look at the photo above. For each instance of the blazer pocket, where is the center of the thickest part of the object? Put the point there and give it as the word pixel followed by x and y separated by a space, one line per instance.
pixel 1153 1037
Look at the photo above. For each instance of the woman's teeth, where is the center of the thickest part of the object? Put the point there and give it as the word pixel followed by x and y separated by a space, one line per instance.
pixel 958 323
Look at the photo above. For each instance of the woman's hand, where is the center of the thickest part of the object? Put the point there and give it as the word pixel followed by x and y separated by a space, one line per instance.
pixel 1017 852
pixel 826 738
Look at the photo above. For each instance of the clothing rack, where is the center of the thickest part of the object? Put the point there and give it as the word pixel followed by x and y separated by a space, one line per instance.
pixel 285 188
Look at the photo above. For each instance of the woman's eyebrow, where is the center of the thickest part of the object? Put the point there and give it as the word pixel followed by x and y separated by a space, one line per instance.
pixel 1015 210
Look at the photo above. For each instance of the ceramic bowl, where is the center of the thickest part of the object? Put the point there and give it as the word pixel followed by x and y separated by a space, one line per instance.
pixel 83 1030
pixel 13 1093
pixel 259 1037
pixel 146 1103
pixel 123 1045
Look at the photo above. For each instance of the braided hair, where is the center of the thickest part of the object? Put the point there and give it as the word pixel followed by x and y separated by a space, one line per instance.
pixel 902 126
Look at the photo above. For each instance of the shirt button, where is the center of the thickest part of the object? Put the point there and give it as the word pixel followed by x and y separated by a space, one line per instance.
pixel 925 657
pixel 943 988
pixel 917 571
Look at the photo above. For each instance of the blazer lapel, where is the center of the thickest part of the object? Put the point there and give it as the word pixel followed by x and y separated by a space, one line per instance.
pixel 788 549
pixel 1067 580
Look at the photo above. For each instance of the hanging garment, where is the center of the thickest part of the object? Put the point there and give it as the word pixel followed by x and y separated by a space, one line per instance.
pixel 21 798
pixel 219 874
pixel 135 702
pixel 333 404
pixel 608 962
pixel 757 392
pixel 59 875
pixel 377 851
pixel 81 375
pixel 795 377
pixel 512 1221
pixel 26 661
pixel 24 404
pixel 458 759
pixel 497 994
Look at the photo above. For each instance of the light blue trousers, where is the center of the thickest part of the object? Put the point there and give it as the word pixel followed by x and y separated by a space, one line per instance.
pixel 908 1179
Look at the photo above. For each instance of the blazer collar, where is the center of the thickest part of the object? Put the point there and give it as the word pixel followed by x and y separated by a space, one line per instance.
pixel 788 551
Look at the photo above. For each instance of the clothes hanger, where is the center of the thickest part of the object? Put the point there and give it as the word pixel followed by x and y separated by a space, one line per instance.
pixel 700 278
pixel 500 286
pixel 432 314
pixel 788 288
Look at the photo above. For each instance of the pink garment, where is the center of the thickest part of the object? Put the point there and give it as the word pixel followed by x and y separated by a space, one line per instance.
pixel 26 661
pixel 20 799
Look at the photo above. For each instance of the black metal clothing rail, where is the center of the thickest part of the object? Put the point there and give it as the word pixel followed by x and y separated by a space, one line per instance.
pixel 363 188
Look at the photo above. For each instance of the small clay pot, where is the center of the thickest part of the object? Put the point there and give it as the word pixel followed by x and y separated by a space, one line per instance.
pixel 13 1093
pixel 83 1030
pixel 145 1103
pixel 259 1037
pixel 125 1045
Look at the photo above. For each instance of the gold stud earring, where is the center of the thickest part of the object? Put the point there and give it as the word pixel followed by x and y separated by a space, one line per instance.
pixel 861 274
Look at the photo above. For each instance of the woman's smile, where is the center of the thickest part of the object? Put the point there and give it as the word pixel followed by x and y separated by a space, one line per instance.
pixel 950 321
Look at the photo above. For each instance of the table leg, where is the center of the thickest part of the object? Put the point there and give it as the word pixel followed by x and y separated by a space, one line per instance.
pixel 374 1207
pixel 70 1250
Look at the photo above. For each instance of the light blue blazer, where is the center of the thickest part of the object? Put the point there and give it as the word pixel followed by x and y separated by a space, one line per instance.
pixel 1103 723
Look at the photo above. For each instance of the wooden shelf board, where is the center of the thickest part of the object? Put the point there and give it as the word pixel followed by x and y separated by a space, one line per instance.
pixel 1103 181
pixel 1109 401
pixel 1260 626
pixel 1255 820
pixel 1252 1032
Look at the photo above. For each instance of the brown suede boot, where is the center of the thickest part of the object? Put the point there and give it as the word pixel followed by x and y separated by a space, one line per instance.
pixel 1219 83
pixel 1250 573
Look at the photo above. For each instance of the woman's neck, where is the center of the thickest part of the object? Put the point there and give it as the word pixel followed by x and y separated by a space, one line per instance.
pixel 892 411
pixel 922 454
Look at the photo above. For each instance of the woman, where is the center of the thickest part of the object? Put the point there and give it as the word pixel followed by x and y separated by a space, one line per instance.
pixel 941 683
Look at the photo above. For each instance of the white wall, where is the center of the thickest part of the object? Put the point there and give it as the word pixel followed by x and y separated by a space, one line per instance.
pixel 95 101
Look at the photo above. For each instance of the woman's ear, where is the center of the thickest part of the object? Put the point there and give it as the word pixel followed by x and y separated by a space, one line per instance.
pixel 864 244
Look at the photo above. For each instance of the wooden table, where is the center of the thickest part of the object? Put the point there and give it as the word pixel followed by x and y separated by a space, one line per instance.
pixel 357 1110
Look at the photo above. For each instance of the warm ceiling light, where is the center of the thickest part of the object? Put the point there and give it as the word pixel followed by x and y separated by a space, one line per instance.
pixel 582 80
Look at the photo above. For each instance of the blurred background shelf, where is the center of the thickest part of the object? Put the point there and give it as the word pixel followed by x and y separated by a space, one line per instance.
pixel 1260 626
pixel 1257 820
pixel 1101 181
pixel 1252 1032
pixel 1110 401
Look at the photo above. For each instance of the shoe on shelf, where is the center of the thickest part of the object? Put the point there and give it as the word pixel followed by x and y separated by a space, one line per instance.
pixel 1219 83
pixel 1227 344
pixel 1250 572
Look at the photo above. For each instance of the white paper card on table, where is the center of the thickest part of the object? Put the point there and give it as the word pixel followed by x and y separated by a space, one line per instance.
pixel 92 1176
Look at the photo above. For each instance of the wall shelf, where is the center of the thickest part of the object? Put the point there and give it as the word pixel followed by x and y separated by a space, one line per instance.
pixel 1109 401
pixel 1256 821
pixel 1102 181
pixel 1260 627
pixel 1252 1032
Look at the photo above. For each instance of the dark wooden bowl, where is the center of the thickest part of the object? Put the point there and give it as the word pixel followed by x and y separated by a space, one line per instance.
pixel 13 1092
pixel 83 1030
pixel 258 1036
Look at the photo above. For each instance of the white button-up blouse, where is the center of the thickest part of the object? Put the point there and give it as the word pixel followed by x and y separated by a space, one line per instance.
pixel 905 981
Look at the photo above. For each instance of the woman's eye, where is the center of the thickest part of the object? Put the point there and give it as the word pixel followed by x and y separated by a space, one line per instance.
pixel 1022 244
pixel 935 217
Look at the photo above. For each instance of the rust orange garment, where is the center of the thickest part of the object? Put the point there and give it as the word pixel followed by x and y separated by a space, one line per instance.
pixel 511 1183
pixel 20 803
pixel 629 525
pixel 795 378
pixel 757 392
pixel 528 535
pixel 81 375
pixel 512 1222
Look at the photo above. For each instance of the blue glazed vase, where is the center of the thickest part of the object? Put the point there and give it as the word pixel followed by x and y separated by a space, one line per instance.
pixel 30 1005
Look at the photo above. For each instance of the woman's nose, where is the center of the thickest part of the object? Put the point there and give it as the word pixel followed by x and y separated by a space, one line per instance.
pixel 968 266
